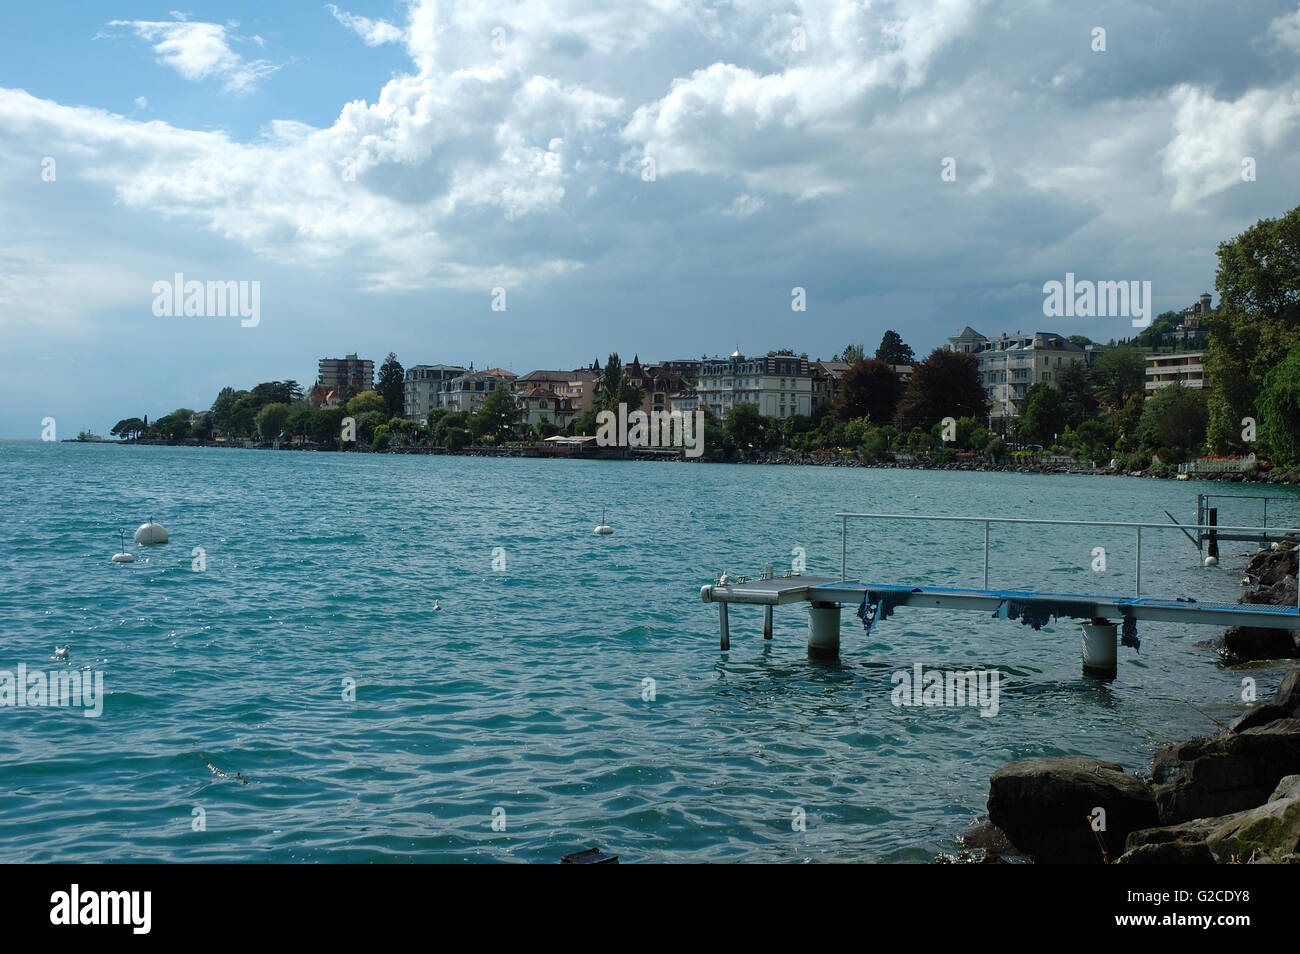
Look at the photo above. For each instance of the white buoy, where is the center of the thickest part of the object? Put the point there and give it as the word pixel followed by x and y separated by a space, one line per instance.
pixel 148 534
pixel 123 557
pixel 603 530
pixel 1211 561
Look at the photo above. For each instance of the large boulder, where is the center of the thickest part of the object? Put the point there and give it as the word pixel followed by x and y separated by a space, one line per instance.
pixel 1270 832
pixel 1259 714
pixel 1248 643
pixel 1288 693
pixel 1228 773
pixel 1046 808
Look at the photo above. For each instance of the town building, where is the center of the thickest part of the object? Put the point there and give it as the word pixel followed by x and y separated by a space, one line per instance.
pixel 342 374
pixel 467 391
pixel 1164 369
pixel 420 387
pixel 1010 365
pixel 778 383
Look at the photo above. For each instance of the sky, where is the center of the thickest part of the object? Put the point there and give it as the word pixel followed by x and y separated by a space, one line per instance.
pixel 652 178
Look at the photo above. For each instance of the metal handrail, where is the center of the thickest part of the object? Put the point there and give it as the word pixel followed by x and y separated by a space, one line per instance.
pixel 987 521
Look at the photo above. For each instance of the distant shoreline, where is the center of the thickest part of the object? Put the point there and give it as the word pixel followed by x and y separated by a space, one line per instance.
pixel 772 459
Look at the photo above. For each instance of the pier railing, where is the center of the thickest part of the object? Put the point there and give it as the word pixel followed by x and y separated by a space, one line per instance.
pixel 988 523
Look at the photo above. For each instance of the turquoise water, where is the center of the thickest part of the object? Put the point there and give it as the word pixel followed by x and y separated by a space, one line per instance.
pixel 524 691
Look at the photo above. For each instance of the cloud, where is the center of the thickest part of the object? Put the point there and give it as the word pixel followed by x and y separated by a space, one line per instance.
pixel 373 32
pixel 1285 30
pixel 199 51
pixel 141 102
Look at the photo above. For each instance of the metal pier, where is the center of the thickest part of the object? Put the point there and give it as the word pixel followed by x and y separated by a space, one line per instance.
pixel 826 595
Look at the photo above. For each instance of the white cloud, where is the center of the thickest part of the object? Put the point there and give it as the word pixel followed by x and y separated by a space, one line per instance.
pixel 744 205
pixel 373 32
pixel 1213 136
pixel 141 102
pixel 198 51
pixel 1285 30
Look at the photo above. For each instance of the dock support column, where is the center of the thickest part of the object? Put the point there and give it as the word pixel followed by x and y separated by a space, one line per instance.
pixel 724 632
pixel 767 622
pixel 823 630
pixel 1100 649
pixel 1214 534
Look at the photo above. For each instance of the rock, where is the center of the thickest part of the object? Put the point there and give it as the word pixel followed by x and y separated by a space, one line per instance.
pixel 1260 714
pixel 1246 643
pixel 1045 807
pixel 989 837
pixel 1271 831
pixel 1167 853
pixel 1231 772
pixel 1289 787
pixel 1288 693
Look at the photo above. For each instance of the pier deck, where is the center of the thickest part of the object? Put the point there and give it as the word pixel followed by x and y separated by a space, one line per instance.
pixel 812 589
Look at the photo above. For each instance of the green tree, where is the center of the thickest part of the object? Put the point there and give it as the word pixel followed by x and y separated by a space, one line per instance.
pixel 1118 374
pixel 945 384
pixel 1257 323
pixel 298 420
pixel 392 385
pixel 744 427
pixel 892 350
pixel 380 438
pixel 270 420
pixel 327 425
pixel 497 416
pixel 1077 401
pixel 1278 409
pixel 1173 422
pixel 128 428
pixel 457 439
pixel 1042 415
pixel 616 388
pixel 851 354
pixel 367 401
pixel 868 389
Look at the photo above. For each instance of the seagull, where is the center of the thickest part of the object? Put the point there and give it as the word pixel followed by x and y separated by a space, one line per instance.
pixel 61 652
pixel 725 578
pixel 436 606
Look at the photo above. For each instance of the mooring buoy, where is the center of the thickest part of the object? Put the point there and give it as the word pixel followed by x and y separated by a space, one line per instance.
pixel 150 534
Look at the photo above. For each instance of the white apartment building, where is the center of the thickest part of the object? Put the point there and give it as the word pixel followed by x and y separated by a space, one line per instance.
pixel 779 383
pixel 1164 369
pixel 1011 364
pixel 420 387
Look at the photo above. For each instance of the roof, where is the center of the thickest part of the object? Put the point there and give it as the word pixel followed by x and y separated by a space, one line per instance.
pixel 969 332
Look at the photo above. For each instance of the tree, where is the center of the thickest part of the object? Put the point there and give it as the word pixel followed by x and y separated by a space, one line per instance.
pixel 457 439
pixel 298 421
pixel 1118 374
pixel 392 385
pixel 945 384
pixel 367 401
pixel 1042 415
pixel 270 420
pixel 892 350
pixel 1256 324
pixel 1173 421
pixel 1278 409
pixel 172 427
pixel 1077 401
pixel 497 416
pixel 868 389
pixel 851 354
pixel 616 388
pixel 128 428
pixel 744 426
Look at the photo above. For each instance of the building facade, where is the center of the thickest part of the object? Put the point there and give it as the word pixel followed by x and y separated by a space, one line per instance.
pixel 467 391
pixel 778 383
pixel 1011 364
pixel 420 387
pixel 347 372
pixel 1164 369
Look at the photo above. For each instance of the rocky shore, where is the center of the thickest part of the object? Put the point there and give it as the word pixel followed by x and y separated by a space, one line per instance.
pixel 1231 798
